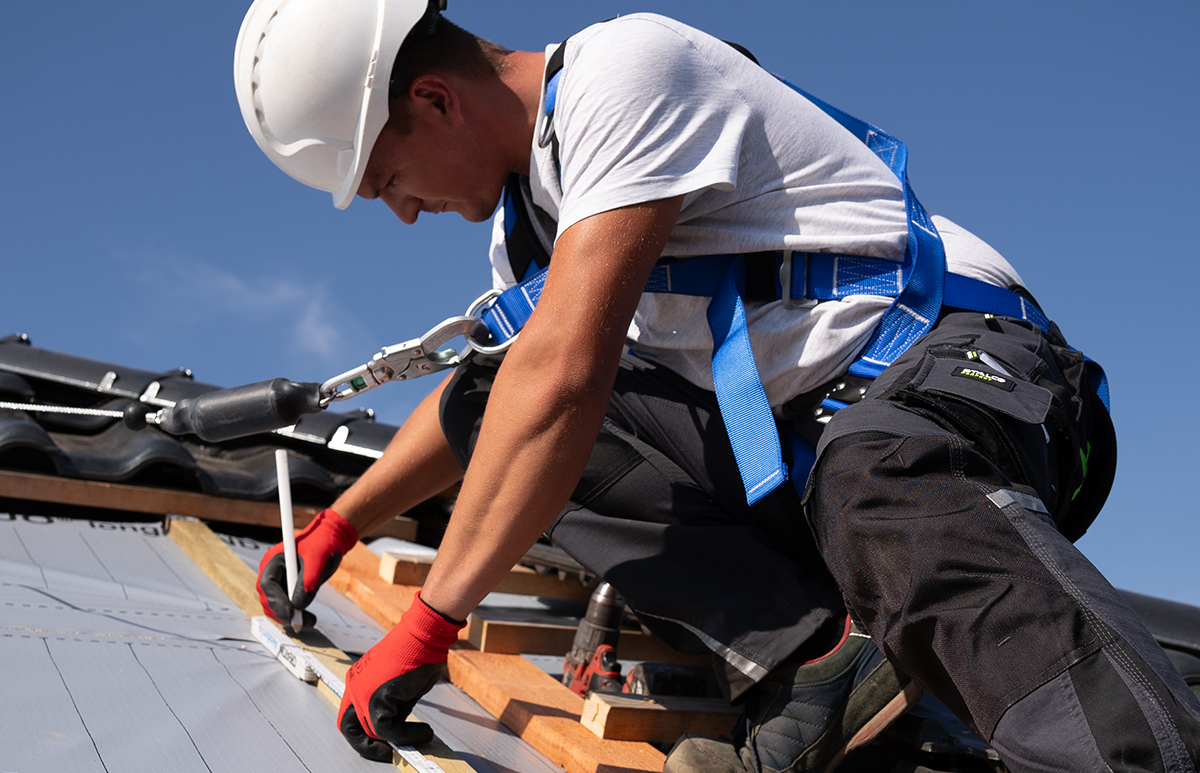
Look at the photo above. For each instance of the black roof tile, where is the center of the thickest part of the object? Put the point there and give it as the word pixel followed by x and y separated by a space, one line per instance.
pixel 328 450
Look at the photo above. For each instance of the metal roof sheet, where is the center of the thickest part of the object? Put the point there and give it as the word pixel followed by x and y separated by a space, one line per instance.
pixel 119 654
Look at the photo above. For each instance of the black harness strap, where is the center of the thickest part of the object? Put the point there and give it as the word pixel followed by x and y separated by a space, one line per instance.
pixel 520 240
pixel 553 66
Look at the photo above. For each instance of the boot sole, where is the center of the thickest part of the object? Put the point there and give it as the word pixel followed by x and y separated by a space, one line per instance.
pixel 910 696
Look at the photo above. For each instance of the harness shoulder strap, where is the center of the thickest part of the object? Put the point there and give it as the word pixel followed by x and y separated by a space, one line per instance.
pixel 547 135
pixel 526 254
pixel 920 290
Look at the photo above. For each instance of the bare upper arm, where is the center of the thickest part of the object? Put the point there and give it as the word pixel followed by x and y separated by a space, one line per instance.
pixel 598 272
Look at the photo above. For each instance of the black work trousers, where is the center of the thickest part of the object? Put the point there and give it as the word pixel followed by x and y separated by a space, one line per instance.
pixel 661 514
pixel 938 505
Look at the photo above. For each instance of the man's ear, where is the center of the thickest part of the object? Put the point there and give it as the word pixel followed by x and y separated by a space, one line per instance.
pixel 434 95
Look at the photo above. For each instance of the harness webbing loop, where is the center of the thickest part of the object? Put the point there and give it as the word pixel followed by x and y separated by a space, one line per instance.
pixel 740 394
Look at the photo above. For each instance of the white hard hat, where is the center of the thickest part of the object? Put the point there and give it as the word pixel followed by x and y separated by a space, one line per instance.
pixel 312 80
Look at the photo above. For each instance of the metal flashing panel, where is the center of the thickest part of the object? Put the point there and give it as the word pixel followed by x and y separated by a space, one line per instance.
pixel 119 654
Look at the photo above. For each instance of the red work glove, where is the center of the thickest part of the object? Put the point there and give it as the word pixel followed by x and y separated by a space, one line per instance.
pixel 387 681
pixel 319 550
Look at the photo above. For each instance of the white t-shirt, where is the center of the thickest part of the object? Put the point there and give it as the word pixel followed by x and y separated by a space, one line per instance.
pixel 649 108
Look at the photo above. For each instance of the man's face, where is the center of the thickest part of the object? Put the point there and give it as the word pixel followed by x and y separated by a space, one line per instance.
pixel 432 169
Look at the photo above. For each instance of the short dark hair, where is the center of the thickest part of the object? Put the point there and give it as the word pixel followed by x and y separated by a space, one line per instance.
pixel 448 50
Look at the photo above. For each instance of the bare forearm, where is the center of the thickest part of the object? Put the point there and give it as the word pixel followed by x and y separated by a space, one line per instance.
pixel 537 434
pixel 548 402
pixel 416 465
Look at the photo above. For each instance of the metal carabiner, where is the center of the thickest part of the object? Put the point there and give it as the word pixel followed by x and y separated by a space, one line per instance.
pixel 400 362
pixel 466 326
pixel 353 382
pixel 476 311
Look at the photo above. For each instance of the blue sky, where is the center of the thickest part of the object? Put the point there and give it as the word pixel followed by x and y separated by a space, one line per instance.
pixel 141 225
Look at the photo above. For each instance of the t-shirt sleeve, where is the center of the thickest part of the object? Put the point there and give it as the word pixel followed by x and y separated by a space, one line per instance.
pixel 642 114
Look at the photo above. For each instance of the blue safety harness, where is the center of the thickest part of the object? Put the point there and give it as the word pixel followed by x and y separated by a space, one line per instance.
pixel 920 285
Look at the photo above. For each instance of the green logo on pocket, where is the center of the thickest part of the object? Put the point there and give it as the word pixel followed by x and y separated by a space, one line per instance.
pixel 994 379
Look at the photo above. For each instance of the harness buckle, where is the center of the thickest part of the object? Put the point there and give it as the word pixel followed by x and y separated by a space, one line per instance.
pixel 786 274
pixel 546 131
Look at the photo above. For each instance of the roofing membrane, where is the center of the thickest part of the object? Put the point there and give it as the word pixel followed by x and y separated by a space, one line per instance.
pixel 119 654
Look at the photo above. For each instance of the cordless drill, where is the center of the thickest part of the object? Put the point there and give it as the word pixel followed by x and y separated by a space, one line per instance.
pixel 591 665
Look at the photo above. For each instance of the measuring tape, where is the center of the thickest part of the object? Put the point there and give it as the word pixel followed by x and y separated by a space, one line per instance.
pixel 307 667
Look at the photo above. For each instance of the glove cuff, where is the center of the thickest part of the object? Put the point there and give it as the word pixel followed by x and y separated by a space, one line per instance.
pixel 422 636
pixel 458 624
pixel 430 627
pixel 342 536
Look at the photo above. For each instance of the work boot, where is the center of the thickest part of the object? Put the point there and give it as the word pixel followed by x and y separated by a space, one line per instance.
pixel 805 718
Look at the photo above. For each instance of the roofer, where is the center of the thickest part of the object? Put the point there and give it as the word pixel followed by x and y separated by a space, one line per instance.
pixel 763 260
